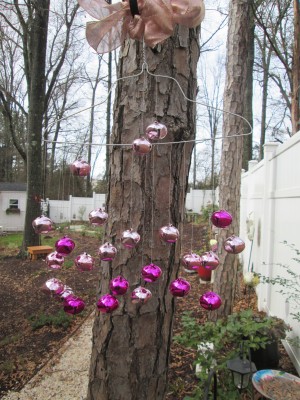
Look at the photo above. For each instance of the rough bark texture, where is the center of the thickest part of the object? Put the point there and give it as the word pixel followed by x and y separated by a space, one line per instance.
pixel 131 347
pixel 232 149
pixel 37 45
pixel 295 111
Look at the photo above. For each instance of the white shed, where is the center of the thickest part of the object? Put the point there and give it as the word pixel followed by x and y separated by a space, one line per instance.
pixel 12 206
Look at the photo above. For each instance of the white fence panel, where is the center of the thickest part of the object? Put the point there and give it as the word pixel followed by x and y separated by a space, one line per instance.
pixel 270 203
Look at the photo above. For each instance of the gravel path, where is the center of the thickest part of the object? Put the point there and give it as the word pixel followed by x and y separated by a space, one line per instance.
pixel 65 376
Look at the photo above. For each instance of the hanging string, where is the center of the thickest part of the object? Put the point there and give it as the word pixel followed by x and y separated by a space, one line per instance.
pixel 183 194
pixel 131 191
pixel 170 185
pixel 152 207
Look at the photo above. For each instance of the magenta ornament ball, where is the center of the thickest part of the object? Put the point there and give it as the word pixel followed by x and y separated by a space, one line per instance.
pixel 64 246
pixel 107 252
pixel 210 260
pixel 130 238
pixel 169 233
pixel 85 262
pixel 107 303
pixel 151 272
pixel 73 305
pixel 179 287
pixel 80 168
pixel 156 131
pixel 43 224
pixel 98 217
pixel 234 245
pixel 210 301
pixel 55 260
pixel 221 219
pixel 64 292
pixel 191 261
pixel 52 285
pixel 119 285
pixel 140 295
pixel 141 146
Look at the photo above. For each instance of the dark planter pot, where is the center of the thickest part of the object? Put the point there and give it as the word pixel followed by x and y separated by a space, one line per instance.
pixel 204 273
pixel 267 358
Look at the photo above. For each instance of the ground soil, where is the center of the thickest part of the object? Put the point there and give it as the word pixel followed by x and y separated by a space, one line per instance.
pixel 24 350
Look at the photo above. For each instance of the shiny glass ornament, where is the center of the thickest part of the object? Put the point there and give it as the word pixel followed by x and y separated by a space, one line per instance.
pixel 234 245
pixel 221 218
pixel 169 233
pixel 119 285
pixel 85 262
pixel 140 295
pixel 73 305
pixel 80 168
pixel 156 131
pixel 64 246
pixel 130 238
pixel 107 303
pixel 64 292
pixel 210 260
pixel 210 301
pixel 98 217
pixel 179 287
pixel 151 272
pixel 55 260
pixel 43 224
pixel 191 261
pixel 107 252
pixel 52 285
pixel 141 146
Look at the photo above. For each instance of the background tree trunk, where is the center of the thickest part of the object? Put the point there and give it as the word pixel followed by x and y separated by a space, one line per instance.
pixel 131 347
pixel 232 148
pixel 36 51
pixel 295 111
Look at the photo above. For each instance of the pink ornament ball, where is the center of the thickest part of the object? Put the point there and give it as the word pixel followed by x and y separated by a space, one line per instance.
pixel 98 217
pixel 130 238
pixel 54 260
pixel 140 295
pixel 80 168
pixel 64 246
pixel 64 292
pixel 169 233
pixel 85 262
pixel 179 287
pixel 52 285
pixel 43 224
pixel 191 261
pixel 119 285
pixel 107 252
pixel 234 245
pixel 210 260
pixel 210 301
pixel 73 305
pixel 141 146
pixel 221 219
pixel 151 272
pixel 156 131
pixel 107 303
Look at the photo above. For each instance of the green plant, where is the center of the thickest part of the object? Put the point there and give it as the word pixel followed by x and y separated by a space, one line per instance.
pixel 61 319
pixel 9 339
pixel 6 366
pixel 227 336
pixel 208 210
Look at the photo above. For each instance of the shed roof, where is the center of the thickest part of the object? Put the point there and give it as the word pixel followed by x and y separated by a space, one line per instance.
pixel 13 187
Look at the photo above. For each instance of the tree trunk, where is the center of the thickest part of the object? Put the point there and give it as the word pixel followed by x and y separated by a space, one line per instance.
pixel 131 347
pixel 295 111
pixel 232 149
pixel 248 109
pixel 37 46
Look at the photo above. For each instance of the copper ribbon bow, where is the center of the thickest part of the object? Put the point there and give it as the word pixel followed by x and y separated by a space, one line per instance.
pixel 151 20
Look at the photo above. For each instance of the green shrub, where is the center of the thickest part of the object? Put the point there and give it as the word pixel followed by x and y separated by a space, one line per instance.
pixel 61 319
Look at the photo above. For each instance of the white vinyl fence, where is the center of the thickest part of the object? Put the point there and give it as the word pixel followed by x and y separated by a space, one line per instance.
pixel 270 220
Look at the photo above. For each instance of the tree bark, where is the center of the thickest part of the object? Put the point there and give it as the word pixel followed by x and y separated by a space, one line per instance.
pixel 232 148
pixel 131 347
pixel 37 46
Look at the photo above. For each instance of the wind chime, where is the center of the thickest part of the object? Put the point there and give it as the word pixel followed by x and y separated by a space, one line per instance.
pixel 151 22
